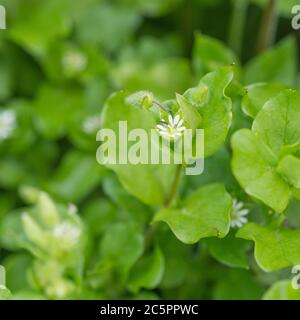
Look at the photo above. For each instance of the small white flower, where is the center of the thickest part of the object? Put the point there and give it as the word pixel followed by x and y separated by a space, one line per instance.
pixel 67 234
pixel 7 123
pixel 74 61
pixel 91 124
pixel 238 214
pixel 173 128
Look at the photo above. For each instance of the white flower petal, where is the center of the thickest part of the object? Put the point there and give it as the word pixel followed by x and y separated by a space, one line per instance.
pixel 180 123
pixel 161 127
pixel 244 212
pixel 176 119
pixel 164 133
pixel 238 205
pixel 243 220
pixel 238 224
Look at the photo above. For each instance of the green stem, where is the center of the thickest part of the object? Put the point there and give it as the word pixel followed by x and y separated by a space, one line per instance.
pixel 151 232
pixel 268 27
pixel 160 106
pixel 237 25
pixel 174 187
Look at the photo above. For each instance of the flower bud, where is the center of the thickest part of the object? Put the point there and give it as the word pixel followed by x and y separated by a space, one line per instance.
pixel 47 210
pixel 141 99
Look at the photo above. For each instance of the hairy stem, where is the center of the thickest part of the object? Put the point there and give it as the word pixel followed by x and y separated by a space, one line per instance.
pixel 268 26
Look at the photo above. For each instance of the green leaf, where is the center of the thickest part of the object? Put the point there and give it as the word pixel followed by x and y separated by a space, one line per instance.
pixel 277 64
pixel 204 213
pixel 122 245
pixel 282 290
pixel 56 110
pixel 99 215
pixel 151 182
pixel 254 166
pixel 4 292
pixel 156 77
pixel 37 23
pixel 277 124
pixel 256 154
pixel 230 251
pixel 153 8
pixel 106 24
pixel 177 257
pixel 148 271
pixel 131 207
pixel 257 95
pixel 16 266
pixel 189 112
pixel 227 288
pixel 274 248
pixel 216 110
pixel 289 167
pixel 76 176
pixel 209 54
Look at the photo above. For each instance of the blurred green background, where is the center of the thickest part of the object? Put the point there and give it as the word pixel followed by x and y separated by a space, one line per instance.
pixel 59 61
